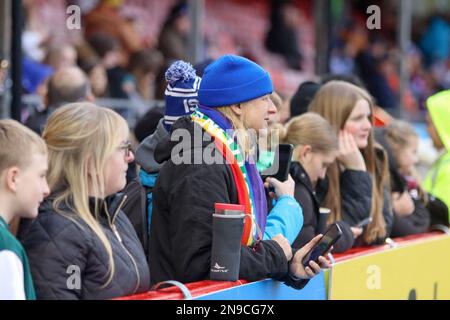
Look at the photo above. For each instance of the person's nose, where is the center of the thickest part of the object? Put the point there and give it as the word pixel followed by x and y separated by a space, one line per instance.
pixel 272 109
pixel 46 189
pixel 367 124
pixel 130 157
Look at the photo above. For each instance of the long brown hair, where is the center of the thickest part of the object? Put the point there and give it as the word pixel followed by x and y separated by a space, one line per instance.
pixel 335 102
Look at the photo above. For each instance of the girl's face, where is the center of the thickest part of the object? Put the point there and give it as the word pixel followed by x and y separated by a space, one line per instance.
pixel 359 123
pixel 99 80
pixel 315 163
pixel 116 167
pixel 256 113
pixel 407 157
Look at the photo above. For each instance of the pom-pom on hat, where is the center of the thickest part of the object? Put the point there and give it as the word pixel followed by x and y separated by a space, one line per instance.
pixel 181 94
pixel 233 79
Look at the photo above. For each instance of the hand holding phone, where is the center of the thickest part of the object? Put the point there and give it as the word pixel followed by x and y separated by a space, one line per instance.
pixel 279 188
pixel 281 165
pixel 330 237
pixel 296 267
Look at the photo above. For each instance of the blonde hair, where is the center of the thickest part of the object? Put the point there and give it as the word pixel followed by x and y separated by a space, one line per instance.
pixel 335 101
pixel 18 144
pixel 80 139
pixel 239 128
pixel 398 136
pixel 309 129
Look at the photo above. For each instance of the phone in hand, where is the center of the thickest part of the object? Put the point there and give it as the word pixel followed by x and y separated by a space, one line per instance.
pixel 281 163
pixel 329 238
pixel 364 222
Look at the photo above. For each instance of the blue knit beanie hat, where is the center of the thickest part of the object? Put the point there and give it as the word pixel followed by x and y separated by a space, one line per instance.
pixel 181 94
pixel 233 79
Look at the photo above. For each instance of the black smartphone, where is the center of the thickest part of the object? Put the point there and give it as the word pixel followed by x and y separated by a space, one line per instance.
pixel 330 237
pixel 281 163
pixel 364 222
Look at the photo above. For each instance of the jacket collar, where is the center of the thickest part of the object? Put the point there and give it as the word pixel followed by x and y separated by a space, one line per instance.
pixel 109 207
pixel 299 174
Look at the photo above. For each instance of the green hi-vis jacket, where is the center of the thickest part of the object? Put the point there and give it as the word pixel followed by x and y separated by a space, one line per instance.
pixel 437 181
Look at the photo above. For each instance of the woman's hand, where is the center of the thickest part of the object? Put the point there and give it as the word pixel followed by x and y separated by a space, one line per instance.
pixel 281 188
pixel 284 244
pixel 349 155
pixel 313 269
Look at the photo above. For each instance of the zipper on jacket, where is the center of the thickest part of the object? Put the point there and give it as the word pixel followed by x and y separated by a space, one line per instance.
pixel 116 233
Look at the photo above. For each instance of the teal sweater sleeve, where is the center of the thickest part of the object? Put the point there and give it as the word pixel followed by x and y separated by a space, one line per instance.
pixel 286 217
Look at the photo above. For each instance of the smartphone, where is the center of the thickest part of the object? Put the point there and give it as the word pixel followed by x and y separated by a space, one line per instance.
pixel 281 163
pixel 364 222
pixel 330 237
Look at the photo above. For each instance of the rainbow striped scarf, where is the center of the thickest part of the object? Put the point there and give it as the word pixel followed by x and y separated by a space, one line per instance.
pixel 233 157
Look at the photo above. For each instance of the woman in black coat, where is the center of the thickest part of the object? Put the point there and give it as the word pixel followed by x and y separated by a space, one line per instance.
pixel 216 168
pixel 81 245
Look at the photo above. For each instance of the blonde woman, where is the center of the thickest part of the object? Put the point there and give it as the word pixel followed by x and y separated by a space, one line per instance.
pixel 81 245
pixel 357 185
pixel 234 96
pixel 315 149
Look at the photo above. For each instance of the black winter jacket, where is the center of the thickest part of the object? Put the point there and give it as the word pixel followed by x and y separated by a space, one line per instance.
pixel 183 205
pixel 61 248
pixel 313 221
pixel 356 197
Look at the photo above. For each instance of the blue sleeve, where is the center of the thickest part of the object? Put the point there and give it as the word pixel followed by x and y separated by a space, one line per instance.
pixel 286 217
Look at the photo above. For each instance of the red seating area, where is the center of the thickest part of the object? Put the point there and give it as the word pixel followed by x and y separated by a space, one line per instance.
pixel 231 26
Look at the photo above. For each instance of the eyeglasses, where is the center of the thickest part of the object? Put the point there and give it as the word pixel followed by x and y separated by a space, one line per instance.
pixel 127 147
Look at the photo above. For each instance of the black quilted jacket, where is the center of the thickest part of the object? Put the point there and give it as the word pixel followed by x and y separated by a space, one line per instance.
pixel 68 261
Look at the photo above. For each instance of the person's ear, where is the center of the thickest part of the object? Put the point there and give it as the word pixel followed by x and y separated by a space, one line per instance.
pixel 237 109
pixel 12 176
pixel 89 165
pixel 305 153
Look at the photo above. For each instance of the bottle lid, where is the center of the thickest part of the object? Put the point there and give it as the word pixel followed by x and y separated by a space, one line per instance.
pixel 229 206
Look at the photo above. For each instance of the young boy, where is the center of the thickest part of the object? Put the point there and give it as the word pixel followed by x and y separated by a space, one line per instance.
pixel 437 182
pixel 23 186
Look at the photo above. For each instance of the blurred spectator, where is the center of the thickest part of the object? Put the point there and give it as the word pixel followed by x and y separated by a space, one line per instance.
pixel 35 76
pixel 61 56
pixel 282 36
pixel 97 76
pixel 435 43
pixel 3 73
pixel 143 67
pixel 174 36
pixel 302 97
pixel 106 18
pixel 65 86
pixel 108 49
pixel 35 34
